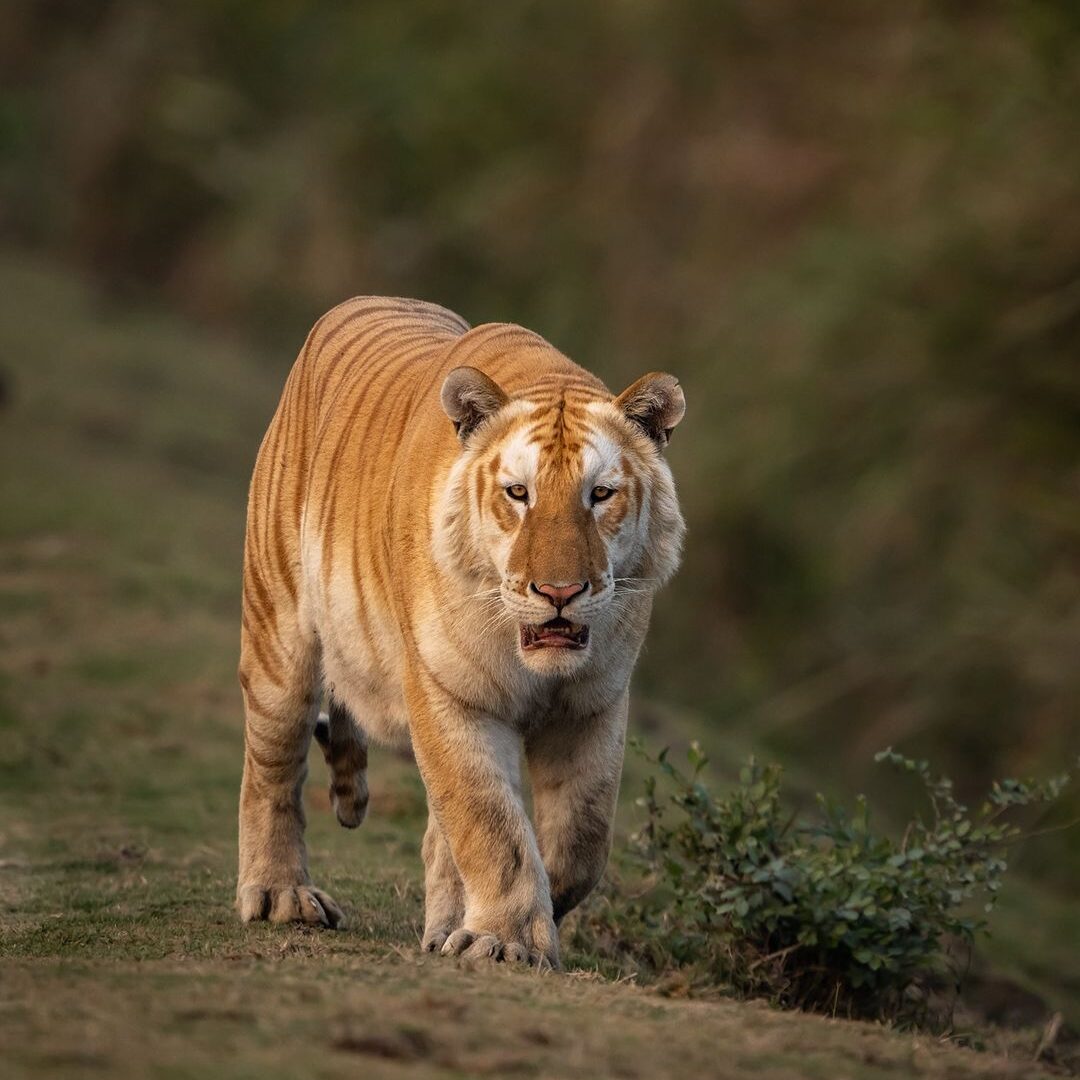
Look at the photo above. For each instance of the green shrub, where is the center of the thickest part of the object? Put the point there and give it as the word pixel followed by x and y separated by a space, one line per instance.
pixel 824 914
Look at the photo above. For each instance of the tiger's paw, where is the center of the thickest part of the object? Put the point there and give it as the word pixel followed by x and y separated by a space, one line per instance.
pixel 347 761
pixel 479 945
pixel 349 798
pixel 289 903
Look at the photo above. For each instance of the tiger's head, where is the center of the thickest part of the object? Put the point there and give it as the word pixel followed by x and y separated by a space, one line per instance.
pixel 562 503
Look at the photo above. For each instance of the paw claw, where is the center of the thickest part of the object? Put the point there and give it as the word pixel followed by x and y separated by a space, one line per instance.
pixel 434 941
pixel 484 947
pixel 312 911
pixel 515 953
pixel 335 917
pixel 457 942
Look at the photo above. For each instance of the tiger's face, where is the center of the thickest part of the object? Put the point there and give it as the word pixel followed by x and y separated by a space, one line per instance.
pixel 563 498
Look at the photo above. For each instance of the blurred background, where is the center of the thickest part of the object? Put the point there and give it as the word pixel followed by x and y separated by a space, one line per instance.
pixel 853 231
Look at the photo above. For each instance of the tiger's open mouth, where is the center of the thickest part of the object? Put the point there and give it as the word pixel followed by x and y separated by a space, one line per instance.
pixel 557 633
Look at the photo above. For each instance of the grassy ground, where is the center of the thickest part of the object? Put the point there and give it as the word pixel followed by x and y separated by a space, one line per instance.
pixel 126 442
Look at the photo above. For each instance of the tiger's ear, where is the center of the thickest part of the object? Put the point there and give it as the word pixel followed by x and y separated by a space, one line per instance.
pixel 469 398
pixel 655 403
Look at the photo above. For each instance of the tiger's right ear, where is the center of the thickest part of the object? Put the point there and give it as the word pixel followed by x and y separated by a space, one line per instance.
pixel 469 398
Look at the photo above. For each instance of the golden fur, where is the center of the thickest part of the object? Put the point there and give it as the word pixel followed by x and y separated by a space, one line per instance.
pixel 427 496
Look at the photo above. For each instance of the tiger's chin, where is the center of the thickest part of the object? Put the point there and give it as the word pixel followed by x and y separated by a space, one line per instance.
pixel 556 647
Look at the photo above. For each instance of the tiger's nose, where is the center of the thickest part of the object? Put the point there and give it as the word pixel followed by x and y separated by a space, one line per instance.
pixel 559 595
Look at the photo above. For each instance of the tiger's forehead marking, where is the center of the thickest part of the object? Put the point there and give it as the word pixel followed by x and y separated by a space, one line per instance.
pixel 558 423
pixel 557 432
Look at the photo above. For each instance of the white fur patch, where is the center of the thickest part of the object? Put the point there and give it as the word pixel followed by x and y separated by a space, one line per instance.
pixel 601 464
pixel 519 462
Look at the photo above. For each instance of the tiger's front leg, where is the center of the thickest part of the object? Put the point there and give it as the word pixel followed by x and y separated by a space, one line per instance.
pixel 471 765
pixel 574 767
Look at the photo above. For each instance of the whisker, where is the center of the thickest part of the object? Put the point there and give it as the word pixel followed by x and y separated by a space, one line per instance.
pixel 496 617
pixel 481 596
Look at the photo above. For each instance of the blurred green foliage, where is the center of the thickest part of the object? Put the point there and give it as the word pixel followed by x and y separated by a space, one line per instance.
pixel 852 229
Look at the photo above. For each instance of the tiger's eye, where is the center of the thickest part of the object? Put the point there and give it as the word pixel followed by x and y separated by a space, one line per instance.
pixel 599 494
pixel 518 491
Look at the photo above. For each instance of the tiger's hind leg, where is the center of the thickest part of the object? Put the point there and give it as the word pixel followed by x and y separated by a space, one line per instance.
pixel 280 673
pixel 344 745
pixel 280 706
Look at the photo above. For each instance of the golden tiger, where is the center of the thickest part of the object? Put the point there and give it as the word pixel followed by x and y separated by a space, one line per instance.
pixel 454 534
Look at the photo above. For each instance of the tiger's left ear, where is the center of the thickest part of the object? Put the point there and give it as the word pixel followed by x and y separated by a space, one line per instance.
pixel 655 403
pixel 469 397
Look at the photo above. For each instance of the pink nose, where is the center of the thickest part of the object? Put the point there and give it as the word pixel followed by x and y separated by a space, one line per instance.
pixel 560 595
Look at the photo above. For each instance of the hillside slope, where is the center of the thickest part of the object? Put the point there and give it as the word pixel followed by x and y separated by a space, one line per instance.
pixel 126 443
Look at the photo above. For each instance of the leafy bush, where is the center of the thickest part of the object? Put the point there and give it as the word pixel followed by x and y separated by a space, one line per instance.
pixel 823 914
